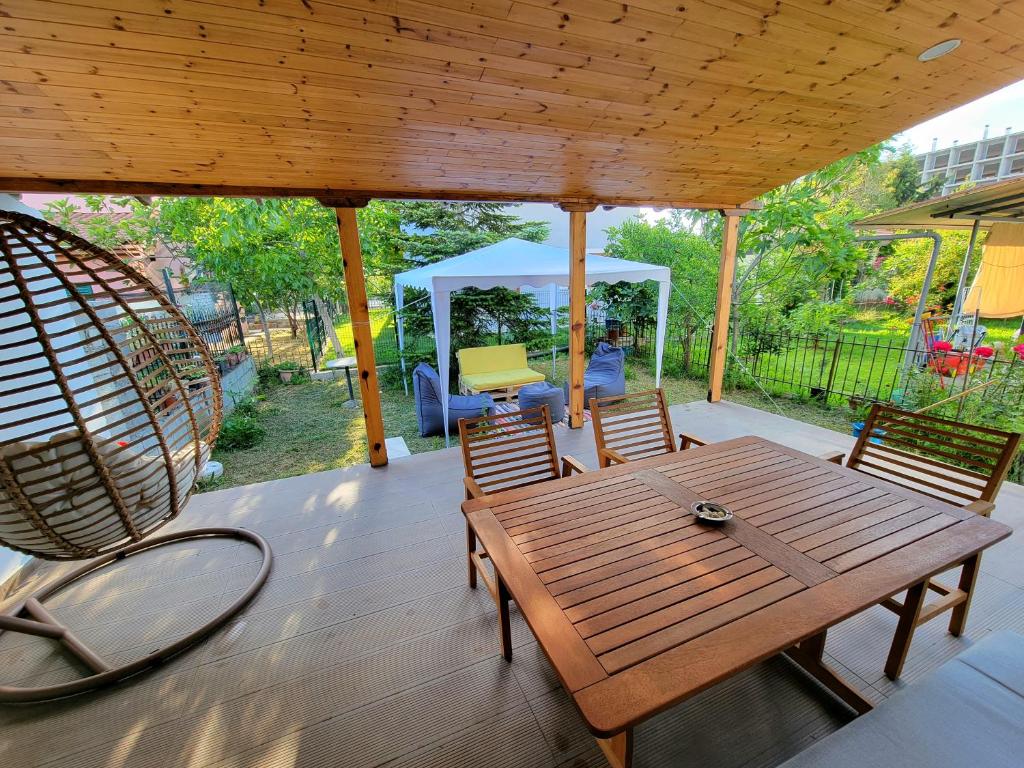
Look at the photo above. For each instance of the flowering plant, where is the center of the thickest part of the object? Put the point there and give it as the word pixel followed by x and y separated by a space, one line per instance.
pixel 942 346
pixel 1019 349
pixel 984 351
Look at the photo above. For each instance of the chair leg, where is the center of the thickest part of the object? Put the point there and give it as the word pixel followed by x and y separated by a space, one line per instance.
pixel 968 578
pixel 470 549
pixel 504 623
pixel 905 629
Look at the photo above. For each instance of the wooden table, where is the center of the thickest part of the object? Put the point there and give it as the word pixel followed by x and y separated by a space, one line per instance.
pixel 638 606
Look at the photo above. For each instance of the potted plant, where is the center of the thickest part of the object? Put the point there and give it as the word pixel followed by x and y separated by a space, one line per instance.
pixel 286 370
pixel 195 375
pixel 236 354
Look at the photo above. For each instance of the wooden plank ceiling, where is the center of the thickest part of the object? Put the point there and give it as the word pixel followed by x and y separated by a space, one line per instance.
pixel 703 103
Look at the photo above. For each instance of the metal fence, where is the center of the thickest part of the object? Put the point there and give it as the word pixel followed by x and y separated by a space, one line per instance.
pixel 213 312
pixel 831 368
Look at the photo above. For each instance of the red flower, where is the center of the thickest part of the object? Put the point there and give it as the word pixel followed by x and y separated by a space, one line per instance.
pixel 890 300
pixel 943 346
pixel 984 351
pixel 1019 349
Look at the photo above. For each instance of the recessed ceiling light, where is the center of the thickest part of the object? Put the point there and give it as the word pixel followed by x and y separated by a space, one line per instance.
pixel 939 49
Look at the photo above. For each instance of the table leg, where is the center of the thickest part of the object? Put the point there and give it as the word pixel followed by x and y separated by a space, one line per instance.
pixel 808 655
pixel 470 549
pixel 909 619
pixel 348 378
pixel 618 749
pixel 968 578
pixel 504 623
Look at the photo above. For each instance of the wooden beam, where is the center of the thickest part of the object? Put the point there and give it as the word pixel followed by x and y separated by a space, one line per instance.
pixel 577 306
pixel 355 287
pixel 327 195
pixel 723 303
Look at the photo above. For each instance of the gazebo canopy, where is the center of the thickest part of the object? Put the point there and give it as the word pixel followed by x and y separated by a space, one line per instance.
pixel 514 263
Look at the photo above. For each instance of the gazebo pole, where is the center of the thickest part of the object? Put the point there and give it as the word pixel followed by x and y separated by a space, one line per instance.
pixel 577 305
pixel 355 288
pixel 723 304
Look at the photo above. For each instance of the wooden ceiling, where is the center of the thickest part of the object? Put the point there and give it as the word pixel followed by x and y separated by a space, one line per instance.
pixel 685 103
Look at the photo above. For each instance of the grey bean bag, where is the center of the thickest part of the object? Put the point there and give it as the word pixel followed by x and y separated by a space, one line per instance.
pixel 606 374
pixel 426 386
pixel 543 393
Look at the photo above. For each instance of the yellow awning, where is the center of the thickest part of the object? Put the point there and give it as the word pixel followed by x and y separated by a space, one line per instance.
pixel 998 288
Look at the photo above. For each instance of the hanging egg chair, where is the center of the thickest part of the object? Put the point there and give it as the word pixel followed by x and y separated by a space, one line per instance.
pixel 109 403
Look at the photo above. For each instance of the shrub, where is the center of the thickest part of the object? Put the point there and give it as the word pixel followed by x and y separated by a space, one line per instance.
pixel 239 432
pixel 247 406
pixel 267 374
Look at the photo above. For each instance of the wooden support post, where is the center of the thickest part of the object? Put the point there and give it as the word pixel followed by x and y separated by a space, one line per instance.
pixel 355 288
pixel 723 303
pixel 577 306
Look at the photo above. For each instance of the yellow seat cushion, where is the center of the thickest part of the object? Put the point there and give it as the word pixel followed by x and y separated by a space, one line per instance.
pixel 503 357
pixel 482 382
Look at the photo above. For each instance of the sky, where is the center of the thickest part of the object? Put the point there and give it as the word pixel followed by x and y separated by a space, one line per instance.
pixel 1000 110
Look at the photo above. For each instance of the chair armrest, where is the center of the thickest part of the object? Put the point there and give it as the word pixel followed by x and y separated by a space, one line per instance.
pixel 473 491
pixel 571 464
pixel 983 508
pixel 612 456
pixel 835 457
pixel 685 441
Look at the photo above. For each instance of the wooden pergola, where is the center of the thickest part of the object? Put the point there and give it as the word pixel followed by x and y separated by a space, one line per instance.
pixel 705 104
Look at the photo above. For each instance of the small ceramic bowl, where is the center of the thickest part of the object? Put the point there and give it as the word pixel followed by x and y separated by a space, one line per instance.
pixel 710 512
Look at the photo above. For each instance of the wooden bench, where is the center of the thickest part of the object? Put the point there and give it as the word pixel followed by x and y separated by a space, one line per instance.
pixel 499 370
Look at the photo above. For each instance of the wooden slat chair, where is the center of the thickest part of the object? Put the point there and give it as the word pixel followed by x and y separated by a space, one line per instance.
pixel 635 426
pixel 501 452
pixel 958 463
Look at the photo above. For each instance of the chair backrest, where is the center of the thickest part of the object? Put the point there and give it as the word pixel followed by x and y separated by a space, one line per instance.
pixel 509 450
pixel 501 357
pixel 949 460
pixel 635 426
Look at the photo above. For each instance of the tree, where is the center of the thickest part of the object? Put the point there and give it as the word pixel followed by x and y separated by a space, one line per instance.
pixel 114 221
pixel 906 267
pixel 799 243
pixel 274 253
pixel 903 180
pixel 692 259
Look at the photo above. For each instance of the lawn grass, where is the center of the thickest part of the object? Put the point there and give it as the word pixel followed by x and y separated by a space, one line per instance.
pixel 311 428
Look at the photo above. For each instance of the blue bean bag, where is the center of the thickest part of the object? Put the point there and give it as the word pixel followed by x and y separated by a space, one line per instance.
pixel 543 393
pixel 606 374
pixel 426 386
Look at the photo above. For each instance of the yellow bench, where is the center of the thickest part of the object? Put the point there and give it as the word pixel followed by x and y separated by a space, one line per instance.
pixel 500 370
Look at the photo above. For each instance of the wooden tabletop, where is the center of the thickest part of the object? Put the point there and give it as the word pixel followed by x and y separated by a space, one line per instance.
pixel 638 606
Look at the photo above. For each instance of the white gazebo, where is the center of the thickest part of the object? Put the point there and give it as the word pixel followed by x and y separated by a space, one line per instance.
pixel 514 263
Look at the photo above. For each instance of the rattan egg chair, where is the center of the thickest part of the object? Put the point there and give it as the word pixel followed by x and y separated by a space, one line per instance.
pixel 109 403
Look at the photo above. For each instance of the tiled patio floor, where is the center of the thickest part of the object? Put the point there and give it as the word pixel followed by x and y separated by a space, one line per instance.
pixel 366 647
